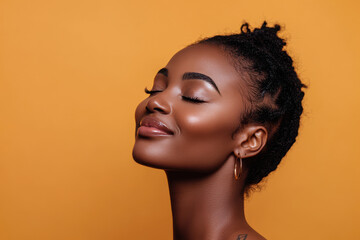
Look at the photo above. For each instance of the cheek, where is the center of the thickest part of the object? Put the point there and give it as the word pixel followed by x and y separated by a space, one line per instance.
pixel 205 122
pixel 205 139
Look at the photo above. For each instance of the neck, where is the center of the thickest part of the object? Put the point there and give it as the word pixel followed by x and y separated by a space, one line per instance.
pixel 206 207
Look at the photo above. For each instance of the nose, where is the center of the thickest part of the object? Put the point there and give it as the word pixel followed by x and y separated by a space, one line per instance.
pixel 158 103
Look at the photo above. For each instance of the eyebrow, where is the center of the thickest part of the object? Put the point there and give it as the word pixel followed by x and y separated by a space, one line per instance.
pixel 192 75
pixel 195 75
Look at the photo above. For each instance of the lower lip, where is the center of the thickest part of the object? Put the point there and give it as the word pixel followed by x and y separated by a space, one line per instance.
pixel 151 132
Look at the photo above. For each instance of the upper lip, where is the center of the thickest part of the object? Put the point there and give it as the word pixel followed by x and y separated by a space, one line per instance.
pixel 155 123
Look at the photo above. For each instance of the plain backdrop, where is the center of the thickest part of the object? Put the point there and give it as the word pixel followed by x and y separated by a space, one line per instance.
pixel 72 73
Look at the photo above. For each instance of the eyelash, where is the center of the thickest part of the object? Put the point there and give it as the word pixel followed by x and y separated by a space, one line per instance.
pixel 151 92
pixel 185 98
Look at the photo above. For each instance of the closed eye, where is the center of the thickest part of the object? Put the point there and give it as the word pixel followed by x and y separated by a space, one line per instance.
pixel 193 99
pixel 185 98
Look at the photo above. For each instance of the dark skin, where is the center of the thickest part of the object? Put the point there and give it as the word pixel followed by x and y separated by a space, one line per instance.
pixel 187 126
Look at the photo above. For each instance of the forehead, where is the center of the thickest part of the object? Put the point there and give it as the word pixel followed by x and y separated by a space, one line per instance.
pixel 207 59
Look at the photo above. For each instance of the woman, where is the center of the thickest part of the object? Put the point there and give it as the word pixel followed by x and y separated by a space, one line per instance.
pixel 220 116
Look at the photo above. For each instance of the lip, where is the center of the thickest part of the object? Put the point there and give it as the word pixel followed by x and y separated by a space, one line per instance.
pixel 150 127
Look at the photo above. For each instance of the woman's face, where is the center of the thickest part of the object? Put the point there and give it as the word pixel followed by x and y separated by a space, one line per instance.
pixel 187 122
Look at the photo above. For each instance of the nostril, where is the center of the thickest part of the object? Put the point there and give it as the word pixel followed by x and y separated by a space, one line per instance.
pixel 159 109
pixel 153 109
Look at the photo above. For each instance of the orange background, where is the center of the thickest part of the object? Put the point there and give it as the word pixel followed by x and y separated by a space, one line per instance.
pixel 72 73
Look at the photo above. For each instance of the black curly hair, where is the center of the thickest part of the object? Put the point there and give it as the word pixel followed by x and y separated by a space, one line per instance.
pixel 274 93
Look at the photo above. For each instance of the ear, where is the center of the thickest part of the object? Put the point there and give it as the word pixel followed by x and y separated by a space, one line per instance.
pixel 250 141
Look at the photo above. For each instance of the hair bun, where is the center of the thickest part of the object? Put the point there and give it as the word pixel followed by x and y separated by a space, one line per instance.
pixel 267 37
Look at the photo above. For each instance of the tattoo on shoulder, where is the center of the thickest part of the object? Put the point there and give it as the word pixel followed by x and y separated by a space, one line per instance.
pixel 242 237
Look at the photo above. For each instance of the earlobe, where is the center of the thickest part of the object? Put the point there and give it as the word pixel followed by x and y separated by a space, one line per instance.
pixel 251 141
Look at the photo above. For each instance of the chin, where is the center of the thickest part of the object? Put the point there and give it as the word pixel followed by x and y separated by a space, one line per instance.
pixel 144 159
pixel 155 152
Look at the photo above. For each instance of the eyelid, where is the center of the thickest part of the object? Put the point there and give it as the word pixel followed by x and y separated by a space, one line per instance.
pixel 195 100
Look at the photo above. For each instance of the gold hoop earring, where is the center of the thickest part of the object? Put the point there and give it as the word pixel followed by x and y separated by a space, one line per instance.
pixel 238 167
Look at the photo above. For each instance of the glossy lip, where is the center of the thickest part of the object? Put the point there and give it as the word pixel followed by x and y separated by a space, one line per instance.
pixel 150 126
